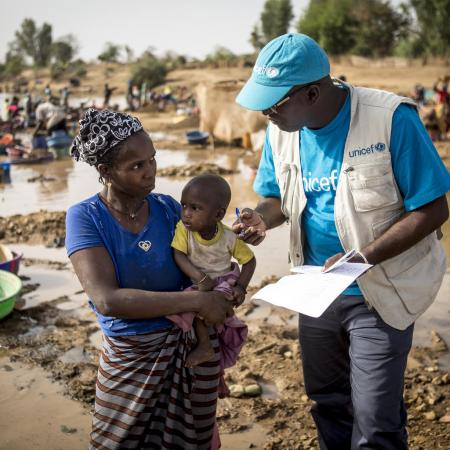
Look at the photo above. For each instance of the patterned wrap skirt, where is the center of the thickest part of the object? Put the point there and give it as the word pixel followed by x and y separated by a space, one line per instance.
pixel 147 399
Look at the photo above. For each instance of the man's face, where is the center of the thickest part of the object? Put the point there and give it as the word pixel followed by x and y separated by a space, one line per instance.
pixel 293 111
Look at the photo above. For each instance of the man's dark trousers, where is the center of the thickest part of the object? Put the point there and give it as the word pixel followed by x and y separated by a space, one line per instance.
pixel 353 367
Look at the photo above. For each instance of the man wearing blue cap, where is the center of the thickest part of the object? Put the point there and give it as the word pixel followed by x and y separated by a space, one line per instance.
pixel 350 168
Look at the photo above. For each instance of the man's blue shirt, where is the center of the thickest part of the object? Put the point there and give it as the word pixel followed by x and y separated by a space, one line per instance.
pixel 419 172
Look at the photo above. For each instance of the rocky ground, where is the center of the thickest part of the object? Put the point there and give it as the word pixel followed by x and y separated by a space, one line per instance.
pixel 61 342
pixel 270 362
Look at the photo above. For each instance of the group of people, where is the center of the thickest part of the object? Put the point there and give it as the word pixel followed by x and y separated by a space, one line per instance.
pixel 160 277
pixel 435 112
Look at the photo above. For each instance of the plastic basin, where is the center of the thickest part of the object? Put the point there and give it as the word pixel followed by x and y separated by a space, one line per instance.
pixel 12 265
pixel 10 286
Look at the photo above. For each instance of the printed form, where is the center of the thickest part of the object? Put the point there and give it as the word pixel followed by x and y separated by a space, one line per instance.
pixel 311 291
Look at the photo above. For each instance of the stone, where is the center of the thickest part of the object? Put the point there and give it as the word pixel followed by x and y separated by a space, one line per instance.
pixel 430 415
pixel 253 390
pixel 236 390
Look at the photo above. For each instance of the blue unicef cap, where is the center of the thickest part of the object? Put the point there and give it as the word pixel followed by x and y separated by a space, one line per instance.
pixel 289 60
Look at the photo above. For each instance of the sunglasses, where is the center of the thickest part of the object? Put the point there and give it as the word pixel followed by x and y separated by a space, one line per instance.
pixel 274 109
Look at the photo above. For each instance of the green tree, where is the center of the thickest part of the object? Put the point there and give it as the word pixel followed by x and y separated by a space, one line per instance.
pixel 111 53
pixel 64 49
pixel 256 39
pixel 433 18
pixel 331 24
pixel 13 66
pixel 379 27
pixel 363 27
pixel 221 57
pixel 43 45
pixel 35 42
pixel 148 69
pixel 275 18
pixel 129 54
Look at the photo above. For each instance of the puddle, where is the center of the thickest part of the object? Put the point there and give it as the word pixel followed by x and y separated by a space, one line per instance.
pixel 96 339
pixel 40 252
pixel 436 317
pixel 75 355
pixel 255 437
pixel 52 284
pixel 34 412
pixel 270 314
pixel 269 390
pixel 34 332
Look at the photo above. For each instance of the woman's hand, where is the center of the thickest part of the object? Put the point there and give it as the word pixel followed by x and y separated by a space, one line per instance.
pixel 250 227
pixel 215 307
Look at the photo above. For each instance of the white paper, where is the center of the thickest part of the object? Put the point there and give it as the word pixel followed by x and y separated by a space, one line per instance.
pixel 310 291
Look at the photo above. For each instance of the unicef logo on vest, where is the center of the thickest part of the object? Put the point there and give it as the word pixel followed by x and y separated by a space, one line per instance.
pixel 380 147
pixel 363 151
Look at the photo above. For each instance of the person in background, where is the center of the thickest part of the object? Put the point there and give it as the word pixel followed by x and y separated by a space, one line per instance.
pixel 50 116
pixel 119 242
pixel 107 92
pixel 350 168
pixel 65 93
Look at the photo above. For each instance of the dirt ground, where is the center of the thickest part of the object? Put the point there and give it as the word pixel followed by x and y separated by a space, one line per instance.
pixel 393 74
pixel 61 341
pixel 46 334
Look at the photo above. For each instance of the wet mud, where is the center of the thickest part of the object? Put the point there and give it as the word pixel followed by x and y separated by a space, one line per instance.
pixel 62 338
pixel 53 334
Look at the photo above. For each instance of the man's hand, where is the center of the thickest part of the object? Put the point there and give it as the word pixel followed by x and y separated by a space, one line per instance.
pixel 332 259
pixel 250 227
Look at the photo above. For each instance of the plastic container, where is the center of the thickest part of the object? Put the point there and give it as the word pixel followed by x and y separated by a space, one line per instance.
pixel 9 260
pixel 39 142
pixel 10 286
pixel 5 172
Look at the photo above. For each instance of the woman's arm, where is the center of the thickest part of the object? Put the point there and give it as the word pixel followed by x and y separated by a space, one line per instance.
pixel 96 273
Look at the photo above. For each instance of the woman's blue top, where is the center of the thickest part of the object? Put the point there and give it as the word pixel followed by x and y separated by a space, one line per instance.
pixel 141 261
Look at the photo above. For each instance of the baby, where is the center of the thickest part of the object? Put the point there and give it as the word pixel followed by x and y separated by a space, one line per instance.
pixel 203 249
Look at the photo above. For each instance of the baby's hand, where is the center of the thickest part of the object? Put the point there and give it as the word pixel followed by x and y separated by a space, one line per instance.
pixel 238 295
pixel 206 284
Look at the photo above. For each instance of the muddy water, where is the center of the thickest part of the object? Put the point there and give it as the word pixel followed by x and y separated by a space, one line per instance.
pixel 28 390
pixel 48 420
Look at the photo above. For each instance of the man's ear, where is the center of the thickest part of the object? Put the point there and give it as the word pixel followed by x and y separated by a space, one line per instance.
pixel 220 213
pixel 313 94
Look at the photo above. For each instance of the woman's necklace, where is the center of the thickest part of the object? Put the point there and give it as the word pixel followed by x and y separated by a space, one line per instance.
pixel 130 214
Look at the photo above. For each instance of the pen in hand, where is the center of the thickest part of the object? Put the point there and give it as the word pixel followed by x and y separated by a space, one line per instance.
pixel 238 216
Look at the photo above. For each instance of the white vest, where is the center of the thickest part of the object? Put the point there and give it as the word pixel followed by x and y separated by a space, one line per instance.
pixel 367 203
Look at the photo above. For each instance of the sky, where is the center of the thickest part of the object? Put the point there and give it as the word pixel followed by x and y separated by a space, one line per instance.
pixel 189 27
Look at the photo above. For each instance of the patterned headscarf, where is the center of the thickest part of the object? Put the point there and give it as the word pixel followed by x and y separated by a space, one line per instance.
pixel 99 132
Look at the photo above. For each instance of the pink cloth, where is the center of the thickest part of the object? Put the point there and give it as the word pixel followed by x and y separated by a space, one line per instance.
pixel 232 334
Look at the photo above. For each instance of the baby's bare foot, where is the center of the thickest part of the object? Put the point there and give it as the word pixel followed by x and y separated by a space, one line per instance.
pixel 199 355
